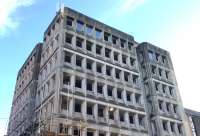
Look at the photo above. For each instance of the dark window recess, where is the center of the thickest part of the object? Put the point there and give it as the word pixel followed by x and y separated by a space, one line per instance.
pixel 99 88
pixel 160 71
pixel 126 76
pixel 124 59
pixel 141 120
pixel 99 68
pixel 157 86
pixel 157 56
pixel 130 45
pixel 98 49
pixel 89 85
pixel 180 128
pixel 76 132
pixel 171 91
pixel 132 61
pixel 116 56
pixel 100 111
pixel 138 98
pixel 79 61
pixel 111 115
pixel 79 42
pixel 164 88
pixel 172 126
pixel 160 103
pixel 122 43
pixel 68 38
pixel 168 107
pixel 164 59
pixel 114 39
pixel 117 73
pixel 110 91
pixel 89 109
pixel 102 134
pixel 70 21
pixel 78 83
pixel 66 79
pixel 119 93
pixel 108 71
pixel 64 103
pixel 61 128
pixel 89 64
pixel 131 119
pixel 153 69
pixel 128 96
pixel 107 52
pixel 77 106
pixel 175 108
pixel 68 57
pixel 167 74
pixel 90 133
pixel 106 36
pixel 165 126
pixel 121 116
pixel 89 45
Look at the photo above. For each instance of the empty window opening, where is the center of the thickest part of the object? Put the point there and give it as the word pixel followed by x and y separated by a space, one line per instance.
pixel 116 56
pixel 79 42
pixel 79 61
pixel 99 67
pixel 157 86
pixel 121 116
pixel 108 70
pixel 64 103
pixel 167 74
pixel 89 45
pixel 141 119
pixel 110 91
pixel 132 61
pixel 132 118
pixel 138 98
pixel 122 43
pixel 165 128
pixel 77 106
pixel 98 49
pixel 114 39
pixel 89 64
pixel 164 87
pixel 153 69
pixel 111 114
pixel 89 85
pixel 150 53
pixel 119 93
pixel 107 52
pixel 160 71
pixel 163 59
pixel 68 57
pixel 130 45
pixel 124 59
pixel 128 96
pixel 89 109
pixel 172 127
pixel 157 56
pixel 180 128
pixel 168 107
pixel 76 132
pixel 100 111
pixel 68 38
pixel 126 75
pixel 117 73
pixel 66 79
pixel 107 36
pixel 70 21
pixel 160 103
pixel 99 88
pixel 90 133
pixel 78 82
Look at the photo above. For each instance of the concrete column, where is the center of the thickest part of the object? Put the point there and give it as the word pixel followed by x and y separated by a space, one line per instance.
pixel 115 93
pixel 95 87
pixel 94 67
pixel 84 85
pixel 95 111
pixel 72 80
pixel 106 113
pixel 83 109
pixel 133 99
pixel 136 120
pixel 112 56
pixel 96 133
pixel 84 132
pixel 70 130
pixel 104 69
pixel 83 64
pixel 126 117
pixel 74 41
pixel 73 60
pixel 122 76
pixel 124 96
pixel 113 73
pixel 116 115
pixel 105 92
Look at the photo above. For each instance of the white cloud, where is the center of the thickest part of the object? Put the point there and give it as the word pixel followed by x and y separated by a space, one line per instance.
pixel 7 9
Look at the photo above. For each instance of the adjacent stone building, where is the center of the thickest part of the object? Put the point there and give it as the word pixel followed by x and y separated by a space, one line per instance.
pixel 95 80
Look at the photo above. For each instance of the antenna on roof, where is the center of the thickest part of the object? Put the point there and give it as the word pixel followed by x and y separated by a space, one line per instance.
pixel 60 7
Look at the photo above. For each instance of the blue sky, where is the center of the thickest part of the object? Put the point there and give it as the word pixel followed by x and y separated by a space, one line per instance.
pixel 170 24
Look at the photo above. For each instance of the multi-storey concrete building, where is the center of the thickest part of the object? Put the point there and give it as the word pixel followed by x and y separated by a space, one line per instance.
pixel 96 80
pixel 193 118
pixel 22 112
